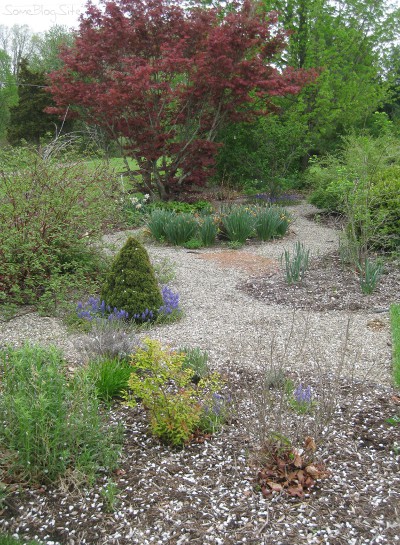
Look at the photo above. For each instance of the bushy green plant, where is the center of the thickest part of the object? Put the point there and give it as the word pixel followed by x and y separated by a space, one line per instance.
pixel 395 326
pixel 180 228
pixel 362 182
pixel 110 377
pixel 174 403
pixel 50 424
pixel 370 273
pixel 50 214
pixel 208 230
pixel 297 264
pixel 238 223
pixel 131 284
pixel 193 244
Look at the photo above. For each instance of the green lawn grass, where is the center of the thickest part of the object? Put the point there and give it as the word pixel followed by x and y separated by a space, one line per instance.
pixel 395 323
pixel 115 163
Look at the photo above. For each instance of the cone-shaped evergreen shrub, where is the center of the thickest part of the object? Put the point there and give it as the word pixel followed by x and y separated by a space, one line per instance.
pixel 131 284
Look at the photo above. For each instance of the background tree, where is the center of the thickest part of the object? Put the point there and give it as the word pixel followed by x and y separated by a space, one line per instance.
pixel 8 92
pixel 164 80
pixel 347 41
pixel 28 120
pixel 16 41
pixel 46 47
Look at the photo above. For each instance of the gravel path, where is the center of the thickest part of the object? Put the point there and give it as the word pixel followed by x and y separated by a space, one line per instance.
pixel 236 329
pixel 204 493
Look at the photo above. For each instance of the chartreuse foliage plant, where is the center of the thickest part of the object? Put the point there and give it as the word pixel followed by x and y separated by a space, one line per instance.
pixel 131 284
pixel 395 325
pixel 176 406
pixel 51 424
pixel 50 215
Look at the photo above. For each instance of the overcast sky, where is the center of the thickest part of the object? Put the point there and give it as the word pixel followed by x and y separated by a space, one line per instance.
pixel 41 15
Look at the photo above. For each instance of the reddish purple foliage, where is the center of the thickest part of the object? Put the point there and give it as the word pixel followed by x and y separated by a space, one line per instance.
pixel 164 80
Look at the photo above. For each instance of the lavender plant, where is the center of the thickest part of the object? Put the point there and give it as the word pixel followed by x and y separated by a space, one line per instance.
pixel 301 400
pixel 94 309
pixel 215 413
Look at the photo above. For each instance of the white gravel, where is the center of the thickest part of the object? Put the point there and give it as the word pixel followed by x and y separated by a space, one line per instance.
pixel 236 329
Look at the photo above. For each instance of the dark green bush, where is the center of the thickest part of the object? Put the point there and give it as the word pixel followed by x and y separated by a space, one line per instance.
pixel 131 284
pixel 50 215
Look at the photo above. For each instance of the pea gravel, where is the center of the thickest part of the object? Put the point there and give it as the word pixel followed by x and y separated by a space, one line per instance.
pixel 204 493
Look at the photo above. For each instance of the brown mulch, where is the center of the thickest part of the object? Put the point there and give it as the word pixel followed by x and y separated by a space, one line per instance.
pixel 244 260
pixel 327 285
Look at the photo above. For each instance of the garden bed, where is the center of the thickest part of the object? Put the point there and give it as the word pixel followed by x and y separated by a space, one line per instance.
pixel 207 491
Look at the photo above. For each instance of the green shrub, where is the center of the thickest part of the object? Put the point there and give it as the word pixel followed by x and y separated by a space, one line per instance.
pixel 395 325
pixel 50 214
pixel 50 425
pixel 131 284
pixel 174 403
pixel 238 224
pixel 180 228
pixel 362 182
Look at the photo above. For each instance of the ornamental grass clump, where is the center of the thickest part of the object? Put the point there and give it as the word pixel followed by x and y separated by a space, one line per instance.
pixel 156 223
pixel 238 224
pixel 208 230
pixel 297 264
pixel 180 228
pixel 271 222
pixel 175 405
pixel 370 274
pixel 131 284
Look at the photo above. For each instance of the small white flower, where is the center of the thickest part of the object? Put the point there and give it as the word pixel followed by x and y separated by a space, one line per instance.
pixel 138 206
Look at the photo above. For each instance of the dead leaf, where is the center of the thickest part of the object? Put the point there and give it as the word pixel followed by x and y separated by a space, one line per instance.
pixel 275 487
pixel 298 460
pixel 296 491
pixel 313 471
pixel 309 444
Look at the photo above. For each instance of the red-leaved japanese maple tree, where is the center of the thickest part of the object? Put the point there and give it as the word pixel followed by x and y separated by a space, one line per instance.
pixel 163 79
